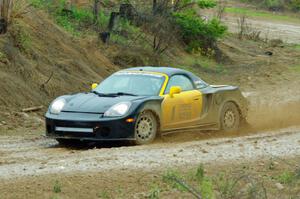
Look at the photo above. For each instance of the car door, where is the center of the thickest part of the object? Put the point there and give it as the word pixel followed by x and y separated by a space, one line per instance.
pixel 183 110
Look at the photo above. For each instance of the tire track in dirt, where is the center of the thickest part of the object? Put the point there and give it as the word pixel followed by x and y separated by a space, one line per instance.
pixel 43 156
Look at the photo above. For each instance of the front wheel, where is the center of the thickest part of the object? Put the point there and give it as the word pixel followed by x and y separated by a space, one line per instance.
pixel 230 117
pixel 145 128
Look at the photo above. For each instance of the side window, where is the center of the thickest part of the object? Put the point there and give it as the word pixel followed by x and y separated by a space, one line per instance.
pixel 179 80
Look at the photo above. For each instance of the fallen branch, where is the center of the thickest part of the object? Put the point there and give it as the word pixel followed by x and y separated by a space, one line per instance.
pixel 190 189
pixel 31 109
pixel 48 80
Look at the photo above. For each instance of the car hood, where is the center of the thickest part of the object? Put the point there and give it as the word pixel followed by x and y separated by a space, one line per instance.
pixel 92 103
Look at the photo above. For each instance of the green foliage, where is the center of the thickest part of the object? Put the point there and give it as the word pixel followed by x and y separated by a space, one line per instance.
pixel 203 4
pixel 38 3
pixel 64 22
pixel 295 5
pixel 21 36
pixel 82 15
pixel 286 177
pixel 226 186
pixel 198 34
pixel 57 187
pixel 76 20
pixel 154 192
pixel 103 195
pixel 206 4
pixel 169 179
pixel 274 4
pixel 205 183
pixel 200 173
pixel 103 20
pixel 256 190
pixel 206 188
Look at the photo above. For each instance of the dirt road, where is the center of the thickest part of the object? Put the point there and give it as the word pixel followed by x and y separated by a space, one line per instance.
pixel 22 157
pixel 288 32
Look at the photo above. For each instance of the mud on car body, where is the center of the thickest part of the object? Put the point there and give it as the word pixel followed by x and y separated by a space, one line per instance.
pixel 138 103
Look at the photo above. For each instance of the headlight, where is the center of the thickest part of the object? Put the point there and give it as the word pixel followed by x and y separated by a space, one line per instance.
pixel 117 110
pixel 57 106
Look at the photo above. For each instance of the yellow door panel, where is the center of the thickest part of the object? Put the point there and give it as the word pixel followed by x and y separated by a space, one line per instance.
pixel 181 110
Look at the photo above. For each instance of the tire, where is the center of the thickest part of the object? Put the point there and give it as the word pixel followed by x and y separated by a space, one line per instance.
pixel 145 128
pixel 68 142
pixel 230 118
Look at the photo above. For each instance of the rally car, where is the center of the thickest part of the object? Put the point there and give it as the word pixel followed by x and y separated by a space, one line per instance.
pixel 139 103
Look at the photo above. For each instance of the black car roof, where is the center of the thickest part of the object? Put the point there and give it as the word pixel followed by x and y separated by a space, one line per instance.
pixel 166 70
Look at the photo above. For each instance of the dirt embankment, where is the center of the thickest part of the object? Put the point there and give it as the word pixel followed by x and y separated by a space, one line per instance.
pixel 40 61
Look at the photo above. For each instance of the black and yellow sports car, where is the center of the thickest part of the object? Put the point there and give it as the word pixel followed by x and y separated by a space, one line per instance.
pixel 138 103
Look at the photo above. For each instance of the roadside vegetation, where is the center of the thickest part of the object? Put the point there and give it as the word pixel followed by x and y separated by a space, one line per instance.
pixel 277 5
pixel 262 14
pixel 261 179
pixel 243 182
pixel 145 27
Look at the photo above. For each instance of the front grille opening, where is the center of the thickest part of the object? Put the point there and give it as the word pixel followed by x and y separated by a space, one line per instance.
pixel 49 129
pixel 103 132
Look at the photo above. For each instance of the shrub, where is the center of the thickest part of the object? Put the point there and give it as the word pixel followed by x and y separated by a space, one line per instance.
pixel 20 35
pixel 198 34
pixel 56 187
pixel 295 5
pixel 274 4
pixel 206 4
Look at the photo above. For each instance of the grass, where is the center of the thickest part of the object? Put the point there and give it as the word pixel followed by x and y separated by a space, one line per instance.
pixel 154 192
pixel 78 21
pixel 295 68
pixel 57 187
pixel 261 14
pixel 239 182
pixel 198 63
pixel 21 36
pixel 286 177
pixel 104 195
pixel 297 46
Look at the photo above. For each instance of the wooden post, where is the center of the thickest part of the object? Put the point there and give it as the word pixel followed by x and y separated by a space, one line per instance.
pixel 6 7
pixel 96 10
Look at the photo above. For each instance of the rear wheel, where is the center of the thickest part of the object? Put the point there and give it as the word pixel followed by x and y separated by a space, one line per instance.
pixel 230 117
pixel 145 128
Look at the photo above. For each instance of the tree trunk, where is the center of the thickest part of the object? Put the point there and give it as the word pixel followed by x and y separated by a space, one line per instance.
pixel 6 7
pixel 96 10
pixel 154 6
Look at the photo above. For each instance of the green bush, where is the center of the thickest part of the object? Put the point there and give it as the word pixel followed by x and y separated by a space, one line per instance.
pixel 206 3
pixel 103 20
pixel 198 34
pixel 274 4
pixel 295 5
pixel 57 187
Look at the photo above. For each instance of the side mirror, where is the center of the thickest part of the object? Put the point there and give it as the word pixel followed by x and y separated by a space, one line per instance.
pixel 174 90
pixel 94 85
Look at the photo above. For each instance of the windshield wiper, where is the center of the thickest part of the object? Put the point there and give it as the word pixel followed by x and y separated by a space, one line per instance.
pixel 104 94
pixel 123 93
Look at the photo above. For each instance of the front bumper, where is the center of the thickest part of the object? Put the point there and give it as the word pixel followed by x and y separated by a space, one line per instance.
pixel 89 127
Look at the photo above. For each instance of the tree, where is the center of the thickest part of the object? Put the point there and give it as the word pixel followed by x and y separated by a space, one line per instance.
pixel 96 10
pixel 6 7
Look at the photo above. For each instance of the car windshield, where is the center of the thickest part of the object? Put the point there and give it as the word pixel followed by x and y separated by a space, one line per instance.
pixel 132 83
